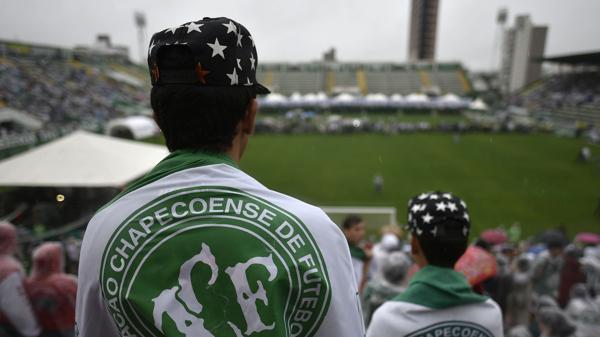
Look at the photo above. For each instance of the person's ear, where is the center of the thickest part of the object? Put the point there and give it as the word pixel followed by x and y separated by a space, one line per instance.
pixel 415 250
pixel 250 118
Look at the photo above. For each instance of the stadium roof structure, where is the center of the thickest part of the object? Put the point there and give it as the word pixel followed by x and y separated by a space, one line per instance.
pixel 81 159
pixel 583 58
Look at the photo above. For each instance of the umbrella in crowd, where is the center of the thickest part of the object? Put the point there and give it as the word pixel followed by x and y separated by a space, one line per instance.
pixel 588 238
pixel 494 236
pixel 477 265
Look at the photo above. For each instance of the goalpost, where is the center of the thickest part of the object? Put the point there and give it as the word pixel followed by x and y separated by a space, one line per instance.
pixel 375 217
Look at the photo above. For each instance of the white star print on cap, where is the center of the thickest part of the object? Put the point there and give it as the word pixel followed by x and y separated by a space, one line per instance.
pixel 192 26
pixel 230 27
pixel 233 77
pixel 428 215
pixel 217 49
pixel 172 30
pixel 216 45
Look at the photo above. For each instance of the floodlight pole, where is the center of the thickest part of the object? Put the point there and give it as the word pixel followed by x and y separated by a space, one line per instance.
pixel 140 22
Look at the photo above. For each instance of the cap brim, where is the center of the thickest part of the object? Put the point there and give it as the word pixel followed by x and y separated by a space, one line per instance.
pixel 261 89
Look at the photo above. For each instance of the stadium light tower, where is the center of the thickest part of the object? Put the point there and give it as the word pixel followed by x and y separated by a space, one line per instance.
pixel 423 30
pixel 140 22
pixel 501 19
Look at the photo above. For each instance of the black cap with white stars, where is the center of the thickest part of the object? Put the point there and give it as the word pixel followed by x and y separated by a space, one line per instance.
pixel 223 50
pixel 438 215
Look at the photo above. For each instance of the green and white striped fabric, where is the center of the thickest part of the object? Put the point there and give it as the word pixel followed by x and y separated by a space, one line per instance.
pixel 199 248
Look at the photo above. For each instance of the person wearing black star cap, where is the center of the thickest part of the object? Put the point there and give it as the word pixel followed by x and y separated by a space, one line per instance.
pixel 197 247
pixel 438 301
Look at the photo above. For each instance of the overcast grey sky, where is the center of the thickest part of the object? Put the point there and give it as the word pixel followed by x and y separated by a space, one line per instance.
pixel 301 30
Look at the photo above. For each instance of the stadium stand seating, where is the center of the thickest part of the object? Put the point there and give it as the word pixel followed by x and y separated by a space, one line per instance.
pixel 288 82
pixel 451 81
pixel 63 92
pixel 346 79
pixel 565 97
pixel 363 78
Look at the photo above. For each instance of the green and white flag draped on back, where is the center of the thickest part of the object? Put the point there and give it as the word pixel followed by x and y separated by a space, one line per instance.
pixel 437 303
pixel 199 248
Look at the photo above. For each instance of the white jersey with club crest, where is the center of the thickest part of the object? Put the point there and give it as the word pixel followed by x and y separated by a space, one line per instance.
pixel 199 248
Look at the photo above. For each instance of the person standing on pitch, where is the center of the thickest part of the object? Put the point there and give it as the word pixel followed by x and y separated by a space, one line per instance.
pixel 197 247
pixel 438 300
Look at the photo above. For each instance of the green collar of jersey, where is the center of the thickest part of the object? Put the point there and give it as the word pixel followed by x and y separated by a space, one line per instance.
pixel 177 161
pixel 439 288
pixel 357 252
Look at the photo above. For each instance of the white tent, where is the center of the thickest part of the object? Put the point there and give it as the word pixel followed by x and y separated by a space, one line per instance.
pixel 20 117
pixel 81 159
pixel 396 98
pixel 275 98
pixel 417 98
pixel 478 104
pixel 450 98
pixel 377 97
pixel 296 97
pixel 139 127
pixel 310 98
pixel 344 97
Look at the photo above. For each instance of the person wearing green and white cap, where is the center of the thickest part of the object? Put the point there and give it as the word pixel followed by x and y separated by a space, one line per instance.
pixel 438 300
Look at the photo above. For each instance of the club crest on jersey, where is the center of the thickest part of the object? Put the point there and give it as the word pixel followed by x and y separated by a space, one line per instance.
pixel 453 329
pixel 214 261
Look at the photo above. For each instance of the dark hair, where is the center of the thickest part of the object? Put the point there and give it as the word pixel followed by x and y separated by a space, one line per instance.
pixel 447 247
pixel 351 221
pixel 194 116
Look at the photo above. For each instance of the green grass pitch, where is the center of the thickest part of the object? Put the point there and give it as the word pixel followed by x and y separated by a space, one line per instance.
pixel 533 179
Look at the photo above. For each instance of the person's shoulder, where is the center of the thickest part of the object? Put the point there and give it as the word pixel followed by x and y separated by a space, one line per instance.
pixel 488 308
pixel 493 307
pixel 390 319
pixel 489 315
pixel 296 207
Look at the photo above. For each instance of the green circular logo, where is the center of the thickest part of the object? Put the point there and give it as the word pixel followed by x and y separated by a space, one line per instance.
pixel 214 261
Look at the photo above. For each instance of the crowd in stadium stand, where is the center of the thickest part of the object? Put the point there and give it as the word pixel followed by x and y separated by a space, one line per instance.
pixel 566 98
pixel 580 89
pixel 60 92
pixel 65 95
pixel 545 286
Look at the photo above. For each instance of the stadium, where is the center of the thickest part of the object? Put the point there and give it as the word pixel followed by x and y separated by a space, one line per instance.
pixel 388 107
pixel 520 143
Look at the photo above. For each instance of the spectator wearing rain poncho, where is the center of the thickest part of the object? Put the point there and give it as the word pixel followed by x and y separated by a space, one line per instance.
pixel 584 312
pixel 52 292
pixel 590 264
pixel 536 306
pixel 389 244
pixel 519 296
pixel 548 267
pixel 553 323
pixel 571 274
pixel 387 285
pixel 16 317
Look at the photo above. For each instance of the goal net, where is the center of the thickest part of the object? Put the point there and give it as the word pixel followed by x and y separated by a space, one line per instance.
pixel 375 217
